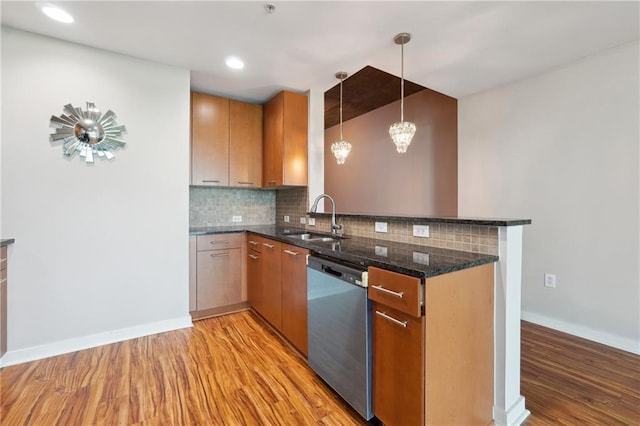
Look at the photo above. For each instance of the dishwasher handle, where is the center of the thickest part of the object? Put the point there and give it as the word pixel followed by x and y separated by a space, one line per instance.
pixel 329 270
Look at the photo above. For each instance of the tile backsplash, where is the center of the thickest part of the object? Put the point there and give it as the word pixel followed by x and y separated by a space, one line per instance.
pixel 211 206
pixel 470 238
pixel 291 202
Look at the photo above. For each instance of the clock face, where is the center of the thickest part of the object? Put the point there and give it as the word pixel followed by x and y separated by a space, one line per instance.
pixel 88 132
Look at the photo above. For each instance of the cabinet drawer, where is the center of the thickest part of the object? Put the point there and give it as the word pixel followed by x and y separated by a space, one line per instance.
pixel 218 241
pixel 254 242
pixel 3 258
pixel 395 290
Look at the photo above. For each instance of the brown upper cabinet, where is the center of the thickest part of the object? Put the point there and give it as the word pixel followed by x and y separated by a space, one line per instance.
pixel 226 142
pixel 209 140
pixel 245 144
pixel 285 140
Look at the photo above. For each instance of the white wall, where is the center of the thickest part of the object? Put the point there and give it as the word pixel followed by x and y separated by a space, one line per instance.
pixel 101 250
pixel 316 146
pixel 562 149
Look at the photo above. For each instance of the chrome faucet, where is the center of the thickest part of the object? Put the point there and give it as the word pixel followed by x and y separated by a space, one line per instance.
pixel 334 226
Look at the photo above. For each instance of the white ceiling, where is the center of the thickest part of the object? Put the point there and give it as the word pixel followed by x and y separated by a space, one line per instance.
pixel 457 48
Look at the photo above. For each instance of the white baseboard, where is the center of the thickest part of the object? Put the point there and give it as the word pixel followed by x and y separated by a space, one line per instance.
pixel 79 343
pixel 514 416
pixel 608 339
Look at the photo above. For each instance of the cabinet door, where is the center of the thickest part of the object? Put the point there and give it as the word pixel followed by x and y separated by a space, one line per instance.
pixel 193 274
pixel 3 311
pixel 295 136
pixel 245 144
pixel 398 367
pixel 294 296
pixel 273 141
pixel 285 140
pixel 271 283
pixel 219 278
pixel 209 140
pixel 254 280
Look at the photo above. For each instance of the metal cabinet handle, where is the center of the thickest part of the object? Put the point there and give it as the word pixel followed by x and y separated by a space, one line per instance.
pixel 391 292
pixel 272 182
pixel 293 253
pixel 211 181
pixel 218 242
pixel 392 319
pixel 268 245
pixel 220 255
pixel 253 256
pixel 253 243
pixel 4 280
pixel 245 183
pixel 4 259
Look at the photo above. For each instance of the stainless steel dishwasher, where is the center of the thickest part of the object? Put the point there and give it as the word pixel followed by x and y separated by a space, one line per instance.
pixel 339 326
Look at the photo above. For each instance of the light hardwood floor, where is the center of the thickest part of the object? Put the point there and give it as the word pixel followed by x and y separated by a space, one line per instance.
pixel 234 370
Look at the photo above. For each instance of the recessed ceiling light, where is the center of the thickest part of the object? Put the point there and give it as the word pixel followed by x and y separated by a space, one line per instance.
pixel 57 14
pixel 235 63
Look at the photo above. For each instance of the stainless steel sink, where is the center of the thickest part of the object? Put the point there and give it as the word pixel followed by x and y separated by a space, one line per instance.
pixel 310 236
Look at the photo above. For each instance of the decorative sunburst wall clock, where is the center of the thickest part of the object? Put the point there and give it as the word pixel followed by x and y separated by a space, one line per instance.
pixel 87 132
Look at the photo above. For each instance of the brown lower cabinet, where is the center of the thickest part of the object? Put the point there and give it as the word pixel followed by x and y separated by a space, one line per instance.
pixel 270 281
pixel 254 272
pixel 277 286
pixel 398 373
pixel 217 284
pixel 294 295
pixel 433 367
pixel 3 300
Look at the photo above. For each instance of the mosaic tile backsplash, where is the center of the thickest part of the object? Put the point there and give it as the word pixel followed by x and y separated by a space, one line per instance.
pixel 217 206
pixel 470 238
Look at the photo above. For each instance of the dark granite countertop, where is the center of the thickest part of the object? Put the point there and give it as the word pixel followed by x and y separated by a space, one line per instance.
pixel 480 221
pixel 6 242
pixel 409 259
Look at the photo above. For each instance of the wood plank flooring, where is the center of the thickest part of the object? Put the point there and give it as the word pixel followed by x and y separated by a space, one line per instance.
pixel 567 380
pixel 229 370
pixel 233 370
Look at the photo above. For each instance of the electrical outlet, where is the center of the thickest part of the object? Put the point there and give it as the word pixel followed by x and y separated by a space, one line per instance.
pixel 236 218
pixel 550 280
pixel 286 219
pixel 303 220
pixel 421 258
pixel 421 231
pixel 381 227
pixel 312 221
pixel 381 251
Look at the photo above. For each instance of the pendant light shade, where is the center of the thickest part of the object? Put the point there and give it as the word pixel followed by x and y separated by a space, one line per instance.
pixel 402 132
pixel 342 147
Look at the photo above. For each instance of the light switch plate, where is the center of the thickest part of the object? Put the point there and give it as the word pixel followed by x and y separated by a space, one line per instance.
pixel 381 227
pixel 303 220
pixel 236 218
pixel 286 218
pixel 312 221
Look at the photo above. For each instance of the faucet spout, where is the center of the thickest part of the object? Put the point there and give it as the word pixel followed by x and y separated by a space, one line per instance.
pixel 334 226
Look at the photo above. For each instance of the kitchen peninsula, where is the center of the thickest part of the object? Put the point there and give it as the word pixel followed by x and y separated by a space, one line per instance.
pixel 456 310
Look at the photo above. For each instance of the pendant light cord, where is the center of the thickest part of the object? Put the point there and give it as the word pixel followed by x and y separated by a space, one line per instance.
pixel 402 81
pixel 341 138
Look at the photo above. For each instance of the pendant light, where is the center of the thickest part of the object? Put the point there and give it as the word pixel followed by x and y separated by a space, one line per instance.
pixel 341 148
pixel 402 132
